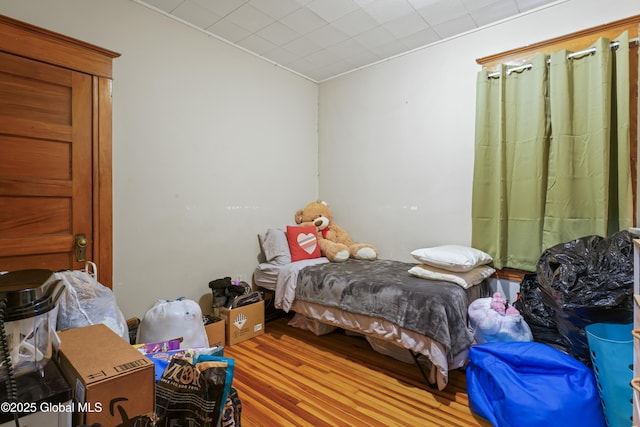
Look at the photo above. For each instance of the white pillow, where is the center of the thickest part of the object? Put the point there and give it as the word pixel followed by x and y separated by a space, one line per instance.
pixel 464 279
pixel 275 246
pixel 452 257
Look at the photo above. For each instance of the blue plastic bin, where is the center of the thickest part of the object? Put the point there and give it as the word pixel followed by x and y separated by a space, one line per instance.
pixel 611 350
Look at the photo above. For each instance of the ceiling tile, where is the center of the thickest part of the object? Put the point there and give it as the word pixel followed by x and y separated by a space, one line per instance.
pixel 442 11
pixel 390 49
pixel 346 49
pixel 455 26
pixel 222 8
pixel 327 36
pixel 275 9
pixel 256 44
pixel 421 38
pixel 278 33
pixel 494 12
pixel 374 37
pixel 406 25
pixel 228 31
pixel 303 21
pixel 388 10
pixel 302 46
pixel 322 58
pixel 196 14
pixel 363 3
pixel 524 5
pixel 249 18
pixel 165 5
pixel 472 5
pixel 419 4
pixel 355 22
pixel 330 10
pixel 365 57
pixel 332 70
pixel 304 67
pixel 283 56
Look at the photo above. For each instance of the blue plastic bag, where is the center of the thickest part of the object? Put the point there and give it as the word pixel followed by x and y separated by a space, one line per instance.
pixel 161 359
pixel 193 394
pixel 531 384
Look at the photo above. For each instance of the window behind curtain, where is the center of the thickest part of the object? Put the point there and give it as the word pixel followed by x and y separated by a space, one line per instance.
pixel 511 240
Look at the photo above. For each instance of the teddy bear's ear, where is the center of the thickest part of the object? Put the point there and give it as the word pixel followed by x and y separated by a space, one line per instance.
pixel 298 216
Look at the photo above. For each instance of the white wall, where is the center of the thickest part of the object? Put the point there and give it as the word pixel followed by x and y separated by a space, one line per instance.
pixel 397 139
pixel 211 145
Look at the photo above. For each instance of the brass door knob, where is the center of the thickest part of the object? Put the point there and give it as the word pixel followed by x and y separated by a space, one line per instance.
pixel 80 248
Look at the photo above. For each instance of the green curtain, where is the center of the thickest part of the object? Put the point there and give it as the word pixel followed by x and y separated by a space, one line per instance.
pixel 552 154
pixel 510 168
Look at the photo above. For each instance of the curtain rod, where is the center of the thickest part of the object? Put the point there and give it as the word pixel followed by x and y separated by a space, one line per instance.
pixel 614 45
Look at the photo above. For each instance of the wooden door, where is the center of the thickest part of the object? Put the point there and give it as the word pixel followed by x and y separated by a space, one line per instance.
pixel 55 149
pixel 45 164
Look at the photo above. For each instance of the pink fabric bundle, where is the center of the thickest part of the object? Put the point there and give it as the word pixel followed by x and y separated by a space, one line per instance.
pixel 493 319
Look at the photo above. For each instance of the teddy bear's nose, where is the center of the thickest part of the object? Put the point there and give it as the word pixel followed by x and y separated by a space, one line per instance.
pixel 317 222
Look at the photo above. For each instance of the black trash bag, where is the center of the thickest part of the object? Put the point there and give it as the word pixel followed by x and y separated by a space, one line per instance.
pixel 587 280
pixel 538 315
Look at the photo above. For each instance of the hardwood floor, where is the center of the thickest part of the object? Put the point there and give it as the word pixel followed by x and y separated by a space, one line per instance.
pixel 291 377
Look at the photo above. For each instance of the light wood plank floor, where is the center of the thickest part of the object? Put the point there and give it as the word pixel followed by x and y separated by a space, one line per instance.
pixel 291 377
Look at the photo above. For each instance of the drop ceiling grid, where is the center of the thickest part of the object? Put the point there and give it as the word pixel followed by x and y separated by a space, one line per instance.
pixel 320 39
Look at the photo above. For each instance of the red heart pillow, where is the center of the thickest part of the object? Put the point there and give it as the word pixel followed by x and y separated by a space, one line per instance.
pixel 303 242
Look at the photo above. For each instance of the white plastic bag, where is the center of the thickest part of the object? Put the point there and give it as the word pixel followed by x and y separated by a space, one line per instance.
pixel 491 325
pixel 167 320
pixel 86 302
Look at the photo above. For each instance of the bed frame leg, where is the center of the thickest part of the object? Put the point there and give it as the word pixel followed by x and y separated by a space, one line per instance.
pixel 421 369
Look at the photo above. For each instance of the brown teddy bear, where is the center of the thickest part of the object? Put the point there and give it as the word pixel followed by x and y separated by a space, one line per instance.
pixel 335 243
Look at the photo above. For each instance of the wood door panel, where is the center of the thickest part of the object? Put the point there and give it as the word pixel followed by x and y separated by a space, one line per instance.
pixel 34 91
pixel 55 261
pixel 39 71
pixel 35 159
pixel 46 177
pixel 34 216
pixel 57 245
pixel 33 129
pixel 37 101
pixel 49 188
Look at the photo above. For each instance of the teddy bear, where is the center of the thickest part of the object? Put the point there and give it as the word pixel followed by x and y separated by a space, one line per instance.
pixel 335 243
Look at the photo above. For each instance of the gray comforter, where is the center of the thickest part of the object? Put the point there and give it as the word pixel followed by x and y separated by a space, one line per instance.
pixel 384 288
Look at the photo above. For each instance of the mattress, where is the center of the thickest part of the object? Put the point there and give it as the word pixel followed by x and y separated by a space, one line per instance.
pixel 282 280
pixel 435 355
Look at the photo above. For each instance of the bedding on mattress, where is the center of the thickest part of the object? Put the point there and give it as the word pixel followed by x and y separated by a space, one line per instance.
pixel 442 337
pixel 267 274
pixel 385 289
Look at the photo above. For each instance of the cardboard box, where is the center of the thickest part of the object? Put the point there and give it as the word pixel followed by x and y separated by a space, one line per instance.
pixel 215 332
pixel 111 381
pixel 243 323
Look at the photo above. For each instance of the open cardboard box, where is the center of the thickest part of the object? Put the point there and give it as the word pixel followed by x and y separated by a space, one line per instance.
pixel 243 323
pixel 215 332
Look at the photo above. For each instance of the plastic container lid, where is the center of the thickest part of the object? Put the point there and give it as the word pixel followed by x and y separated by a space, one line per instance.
pixel 29 293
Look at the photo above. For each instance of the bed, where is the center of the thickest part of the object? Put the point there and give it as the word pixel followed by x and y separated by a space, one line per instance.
pixel 423 318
